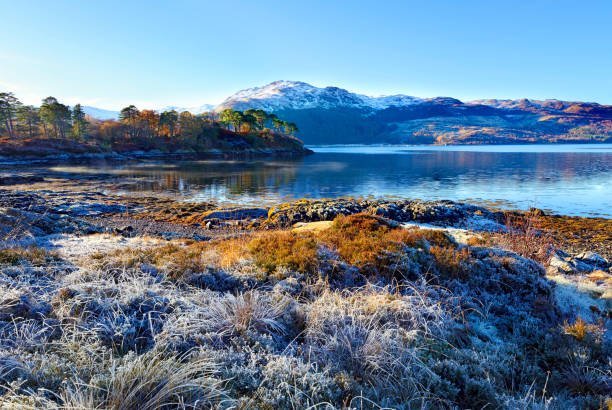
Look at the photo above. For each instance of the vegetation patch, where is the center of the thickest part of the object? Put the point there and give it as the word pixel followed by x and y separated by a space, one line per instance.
pixel 31 255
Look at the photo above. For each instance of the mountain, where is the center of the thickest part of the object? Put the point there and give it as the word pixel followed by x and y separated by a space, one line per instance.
pixel 296 95
pixel 100 113
pixel 194 110
pixel 333 115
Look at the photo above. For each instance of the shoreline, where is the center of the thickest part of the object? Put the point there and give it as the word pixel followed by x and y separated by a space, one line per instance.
pixel 144 155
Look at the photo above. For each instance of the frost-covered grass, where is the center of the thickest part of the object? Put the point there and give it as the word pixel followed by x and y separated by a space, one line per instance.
pixel 362 314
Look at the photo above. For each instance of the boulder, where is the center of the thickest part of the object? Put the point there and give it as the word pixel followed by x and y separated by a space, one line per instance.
pixel 562 262
pixel 593 259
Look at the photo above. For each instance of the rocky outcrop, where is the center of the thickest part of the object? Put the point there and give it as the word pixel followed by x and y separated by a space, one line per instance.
pixel 434 212
pixel 17 224
pixel 563 263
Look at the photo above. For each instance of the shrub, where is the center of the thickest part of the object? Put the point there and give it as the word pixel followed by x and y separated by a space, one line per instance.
pixel 451 262
pixel 296 251
pixel 580 329
pixel 525 236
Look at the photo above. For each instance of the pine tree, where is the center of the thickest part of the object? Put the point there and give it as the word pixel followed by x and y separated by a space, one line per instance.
pixel 9 104
pixel 79 123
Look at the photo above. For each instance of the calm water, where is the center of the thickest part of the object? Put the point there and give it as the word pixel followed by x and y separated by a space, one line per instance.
pixel 568 179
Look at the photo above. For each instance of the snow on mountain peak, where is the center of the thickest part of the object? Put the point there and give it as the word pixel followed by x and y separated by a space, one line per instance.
pixel 283 94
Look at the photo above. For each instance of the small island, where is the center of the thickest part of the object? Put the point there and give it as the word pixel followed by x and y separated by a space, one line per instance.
pixel 57 131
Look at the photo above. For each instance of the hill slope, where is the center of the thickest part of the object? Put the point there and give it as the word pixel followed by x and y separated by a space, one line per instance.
pixel 333 115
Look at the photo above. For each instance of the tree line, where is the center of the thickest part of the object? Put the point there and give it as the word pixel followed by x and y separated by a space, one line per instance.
pixel 254 119
pixel 56 120
pixel 52 119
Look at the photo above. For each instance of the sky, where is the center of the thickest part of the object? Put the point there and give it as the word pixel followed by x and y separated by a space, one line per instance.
pixel 110 54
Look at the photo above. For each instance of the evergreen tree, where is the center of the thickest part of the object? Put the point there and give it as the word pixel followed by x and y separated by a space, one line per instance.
pixel 28 119
pixel 79 123
pixel 169 120
pixel 55 116
pixel 129 116
pixel 9 104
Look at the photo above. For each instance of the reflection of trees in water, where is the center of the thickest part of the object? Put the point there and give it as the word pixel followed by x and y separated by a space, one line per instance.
pixel 427 174
pixel 236 178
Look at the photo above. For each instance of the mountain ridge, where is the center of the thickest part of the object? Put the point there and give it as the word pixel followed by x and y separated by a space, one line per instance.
pixel 333 115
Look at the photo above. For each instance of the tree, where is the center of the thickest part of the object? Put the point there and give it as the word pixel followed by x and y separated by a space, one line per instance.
pixel 249 121
pixel 291 128
pixel 148 122
pixel 169 120
pixel 277 123
pixel 260 117
pixel 9 104
pixel 79 123
pixel 129 116
pixel 55 116
pixel 28 119
pixel 231 117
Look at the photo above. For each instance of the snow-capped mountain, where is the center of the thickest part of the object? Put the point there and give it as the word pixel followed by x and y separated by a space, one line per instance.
pixel 100 113
pixel 295 95
pixel 103 114
pixel 194 110
pixel 333 115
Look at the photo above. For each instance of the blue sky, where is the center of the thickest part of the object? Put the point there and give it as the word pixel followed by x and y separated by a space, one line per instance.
pixel 157 53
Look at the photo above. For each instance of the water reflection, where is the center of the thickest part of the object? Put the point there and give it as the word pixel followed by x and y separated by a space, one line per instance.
pixel 567 182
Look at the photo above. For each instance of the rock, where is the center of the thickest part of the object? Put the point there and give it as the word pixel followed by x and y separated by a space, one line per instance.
pixel 561 262
pixel 92 209
pixel 537 212
pixel 127 230
pixel 237 214
pixel 593 259
pixel 18 224
pixel 439 212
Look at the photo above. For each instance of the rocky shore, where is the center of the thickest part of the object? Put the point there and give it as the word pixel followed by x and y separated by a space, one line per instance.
pixel 60 156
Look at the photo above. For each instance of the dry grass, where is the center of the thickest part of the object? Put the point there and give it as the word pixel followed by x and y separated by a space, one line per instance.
pixel 32 255
pixel 580 329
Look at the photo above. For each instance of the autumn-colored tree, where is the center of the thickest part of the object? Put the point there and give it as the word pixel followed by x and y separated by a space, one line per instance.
pixel 148 123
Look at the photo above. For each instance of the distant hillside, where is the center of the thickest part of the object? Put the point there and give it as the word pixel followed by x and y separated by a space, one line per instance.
pixel 333 115
pixel 100 113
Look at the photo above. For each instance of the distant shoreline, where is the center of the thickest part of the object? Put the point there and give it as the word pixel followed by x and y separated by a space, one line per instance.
pixel 143 155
